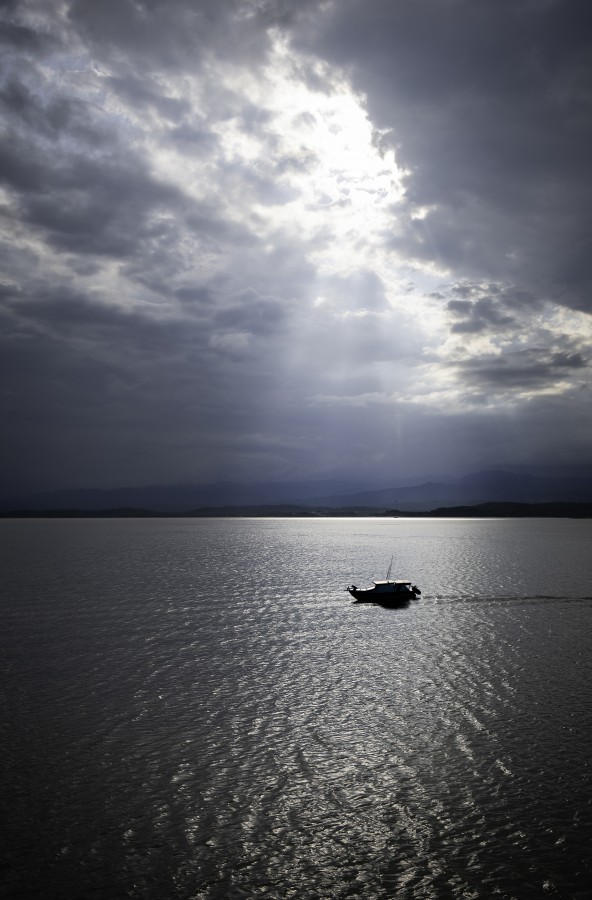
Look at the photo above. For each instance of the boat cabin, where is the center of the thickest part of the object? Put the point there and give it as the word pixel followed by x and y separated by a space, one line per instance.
pixel 392 586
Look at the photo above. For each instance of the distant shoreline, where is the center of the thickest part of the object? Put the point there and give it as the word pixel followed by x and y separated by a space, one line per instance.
pixel 557 509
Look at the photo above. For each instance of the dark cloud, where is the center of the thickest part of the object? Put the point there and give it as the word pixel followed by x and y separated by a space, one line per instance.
pixel 23 38
pixel 75 182
pixel 252 313
pixel 480 308
pixel 191 138
pixel 92 379
pixel 100 208
pixel 523 369
pixel 143 94
pixel 178 35
pixel 48 117
pixel 479 315
pixel 488 106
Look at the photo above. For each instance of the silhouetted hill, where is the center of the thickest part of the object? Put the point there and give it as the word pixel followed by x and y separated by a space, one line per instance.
pixel 516 510
pixel 482 510
pixel 474 489
pixel 481 487
pixel 173 498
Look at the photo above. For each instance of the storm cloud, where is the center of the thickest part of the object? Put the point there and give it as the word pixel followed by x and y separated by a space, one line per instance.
pixel 488 106
pixel 285 240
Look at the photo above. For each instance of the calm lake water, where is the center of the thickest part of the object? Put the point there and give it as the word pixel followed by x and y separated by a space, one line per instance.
pixel 196 709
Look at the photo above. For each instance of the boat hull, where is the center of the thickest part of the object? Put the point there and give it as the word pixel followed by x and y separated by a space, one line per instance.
pixel 383 598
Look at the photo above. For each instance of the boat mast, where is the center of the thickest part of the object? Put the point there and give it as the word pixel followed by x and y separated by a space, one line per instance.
pixel 388 574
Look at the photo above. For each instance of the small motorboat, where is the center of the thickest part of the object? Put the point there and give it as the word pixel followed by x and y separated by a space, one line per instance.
pixel 387 592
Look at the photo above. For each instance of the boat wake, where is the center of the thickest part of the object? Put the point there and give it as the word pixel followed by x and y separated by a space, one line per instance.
pixel 509 599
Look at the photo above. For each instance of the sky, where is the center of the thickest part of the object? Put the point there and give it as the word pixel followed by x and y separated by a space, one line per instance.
pixel 258 240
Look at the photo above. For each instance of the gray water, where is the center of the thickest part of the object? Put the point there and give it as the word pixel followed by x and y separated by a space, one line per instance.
pixel 196 709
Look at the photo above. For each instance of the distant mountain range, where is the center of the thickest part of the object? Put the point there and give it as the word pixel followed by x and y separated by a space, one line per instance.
pixel 478 488
pixel 175 497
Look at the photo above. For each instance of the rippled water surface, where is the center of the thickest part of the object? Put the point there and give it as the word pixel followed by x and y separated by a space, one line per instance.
pixel 196 709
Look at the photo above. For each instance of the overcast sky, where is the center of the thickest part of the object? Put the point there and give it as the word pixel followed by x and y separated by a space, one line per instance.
pixel 288 239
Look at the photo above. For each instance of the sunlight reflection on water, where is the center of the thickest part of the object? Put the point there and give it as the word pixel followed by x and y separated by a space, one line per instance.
pixel 197 709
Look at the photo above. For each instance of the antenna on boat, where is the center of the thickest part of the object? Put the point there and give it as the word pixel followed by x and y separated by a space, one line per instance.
pixel 388 574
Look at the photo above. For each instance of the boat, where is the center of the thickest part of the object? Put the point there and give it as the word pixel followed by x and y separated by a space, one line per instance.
pixel 387 591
